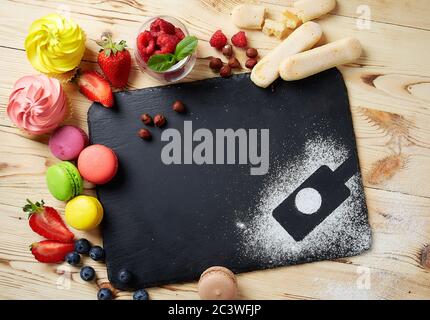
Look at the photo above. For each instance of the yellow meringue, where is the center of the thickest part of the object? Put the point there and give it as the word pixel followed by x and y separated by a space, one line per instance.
pixel 55 44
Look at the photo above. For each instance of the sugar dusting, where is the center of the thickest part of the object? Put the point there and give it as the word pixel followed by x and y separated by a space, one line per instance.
pixel 339 291
pixel 383 284
pixel 344 233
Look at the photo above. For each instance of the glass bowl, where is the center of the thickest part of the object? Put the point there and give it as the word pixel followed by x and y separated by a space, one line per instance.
pixel 176 72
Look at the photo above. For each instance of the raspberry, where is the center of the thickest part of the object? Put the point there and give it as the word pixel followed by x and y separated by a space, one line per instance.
pixel 160 26
pixel 218 40
pixel 166 43
pixel 239 40
pixel 179 33
pixel 145 45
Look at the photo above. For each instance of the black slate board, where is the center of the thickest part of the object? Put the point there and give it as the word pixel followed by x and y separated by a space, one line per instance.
pixel 168 223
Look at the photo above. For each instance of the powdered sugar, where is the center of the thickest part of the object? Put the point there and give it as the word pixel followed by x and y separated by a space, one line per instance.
pixel 339 291
pixel 344 232
pixel 383 284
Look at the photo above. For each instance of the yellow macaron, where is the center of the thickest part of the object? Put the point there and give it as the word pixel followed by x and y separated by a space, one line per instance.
pixel 84 212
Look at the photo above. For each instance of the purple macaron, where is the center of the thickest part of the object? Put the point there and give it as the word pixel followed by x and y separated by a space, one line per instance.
pixel 67 142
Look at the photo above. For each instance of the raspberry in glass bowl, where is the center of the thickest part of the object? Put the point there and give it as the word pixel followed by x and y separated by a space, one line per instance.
pixel 160 35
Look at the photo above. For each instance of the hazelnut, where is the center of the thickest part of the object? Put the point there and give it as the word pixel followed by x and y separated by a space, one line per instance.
pixel 159 120
pixel 251 52
pixel 234 63
pixel 145 134
pixel 227 50
pixel 146 119
pixel 178 106
pixel 250 63
pixel 215 64
pixel 225 71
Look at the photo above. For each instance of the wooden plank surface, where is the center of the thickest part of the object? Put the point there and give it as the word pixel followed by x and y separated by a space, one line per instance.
pixel 389 90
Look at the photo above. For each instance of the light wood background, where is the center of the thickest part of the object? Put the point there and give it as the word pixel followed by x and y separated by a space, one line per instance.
pixel 389 89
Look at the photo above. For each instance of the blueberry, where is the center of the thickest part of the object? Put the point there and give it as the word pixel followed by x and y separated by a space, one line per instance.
pixel 87 273
pixel 82 246
pixel 125 276
pixel 73 258
pixel 97 253
pixel 105 294
pixel 141 294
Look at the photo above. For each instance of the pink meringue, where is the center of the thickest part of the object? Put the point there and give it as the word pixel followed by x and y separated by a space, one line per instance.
pixel 37 104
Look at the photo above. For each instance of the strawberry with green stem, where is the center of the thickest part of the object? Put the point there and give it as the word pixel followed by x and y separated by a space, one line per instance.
pixel 115 61
pixel 47 222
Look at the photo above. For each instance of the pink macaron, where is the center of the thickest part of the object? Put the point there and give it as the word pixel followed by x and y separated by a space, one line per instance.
pixel 67 142
pixel 97 164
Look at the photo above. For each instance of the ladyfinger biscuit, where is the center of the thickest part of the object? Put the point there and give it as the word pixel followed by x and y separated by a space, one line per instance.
pixel 322 58
pixel 291 18
pixel 303 38
pixel 248 16
pixel 312 9
pixel 277 28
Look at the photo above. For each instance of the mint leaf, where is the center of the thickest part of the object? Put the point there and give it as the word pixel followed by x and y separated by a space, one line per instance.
pixel 161 62
pixel 186 47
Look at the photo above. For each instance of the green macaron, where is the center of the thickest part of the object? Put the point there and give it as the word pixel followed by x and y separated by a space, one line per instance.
pixel 64 181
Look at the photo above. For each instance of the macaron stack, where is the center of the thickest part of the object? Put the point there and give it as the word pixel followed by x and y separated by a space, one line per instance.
pixel 96 163
pixel 63 179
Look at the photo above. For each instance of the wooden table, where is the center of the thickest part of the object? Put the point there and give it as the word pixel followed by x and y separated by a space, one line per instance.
pixel 389 89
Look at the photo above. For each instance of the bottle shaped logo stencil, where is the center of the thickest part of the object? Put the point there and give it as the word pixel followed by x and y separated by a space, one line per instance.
pixel 315 199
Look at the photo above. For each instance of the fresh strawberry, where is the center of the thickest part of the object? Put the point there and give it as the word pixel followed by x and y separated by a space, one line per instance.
pixel 115 61
pixel 145 44
pixel 167 43
pixel 49 251
pixel 95 87
pixel 218 40
pixel 179 33
pixel 47 222
pixel 160 26
pixel 239 40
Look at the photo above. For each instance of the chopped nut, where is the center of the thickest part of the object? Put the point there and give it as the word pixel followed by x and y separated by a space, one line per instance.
pixel 227 50
pixel 146 119
pixel 250 63
pixel 225 71
pixel 159 120
pixel 215 64
pixel 145 134
pixel 178 106
pixel 234 63
pixel 251 52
